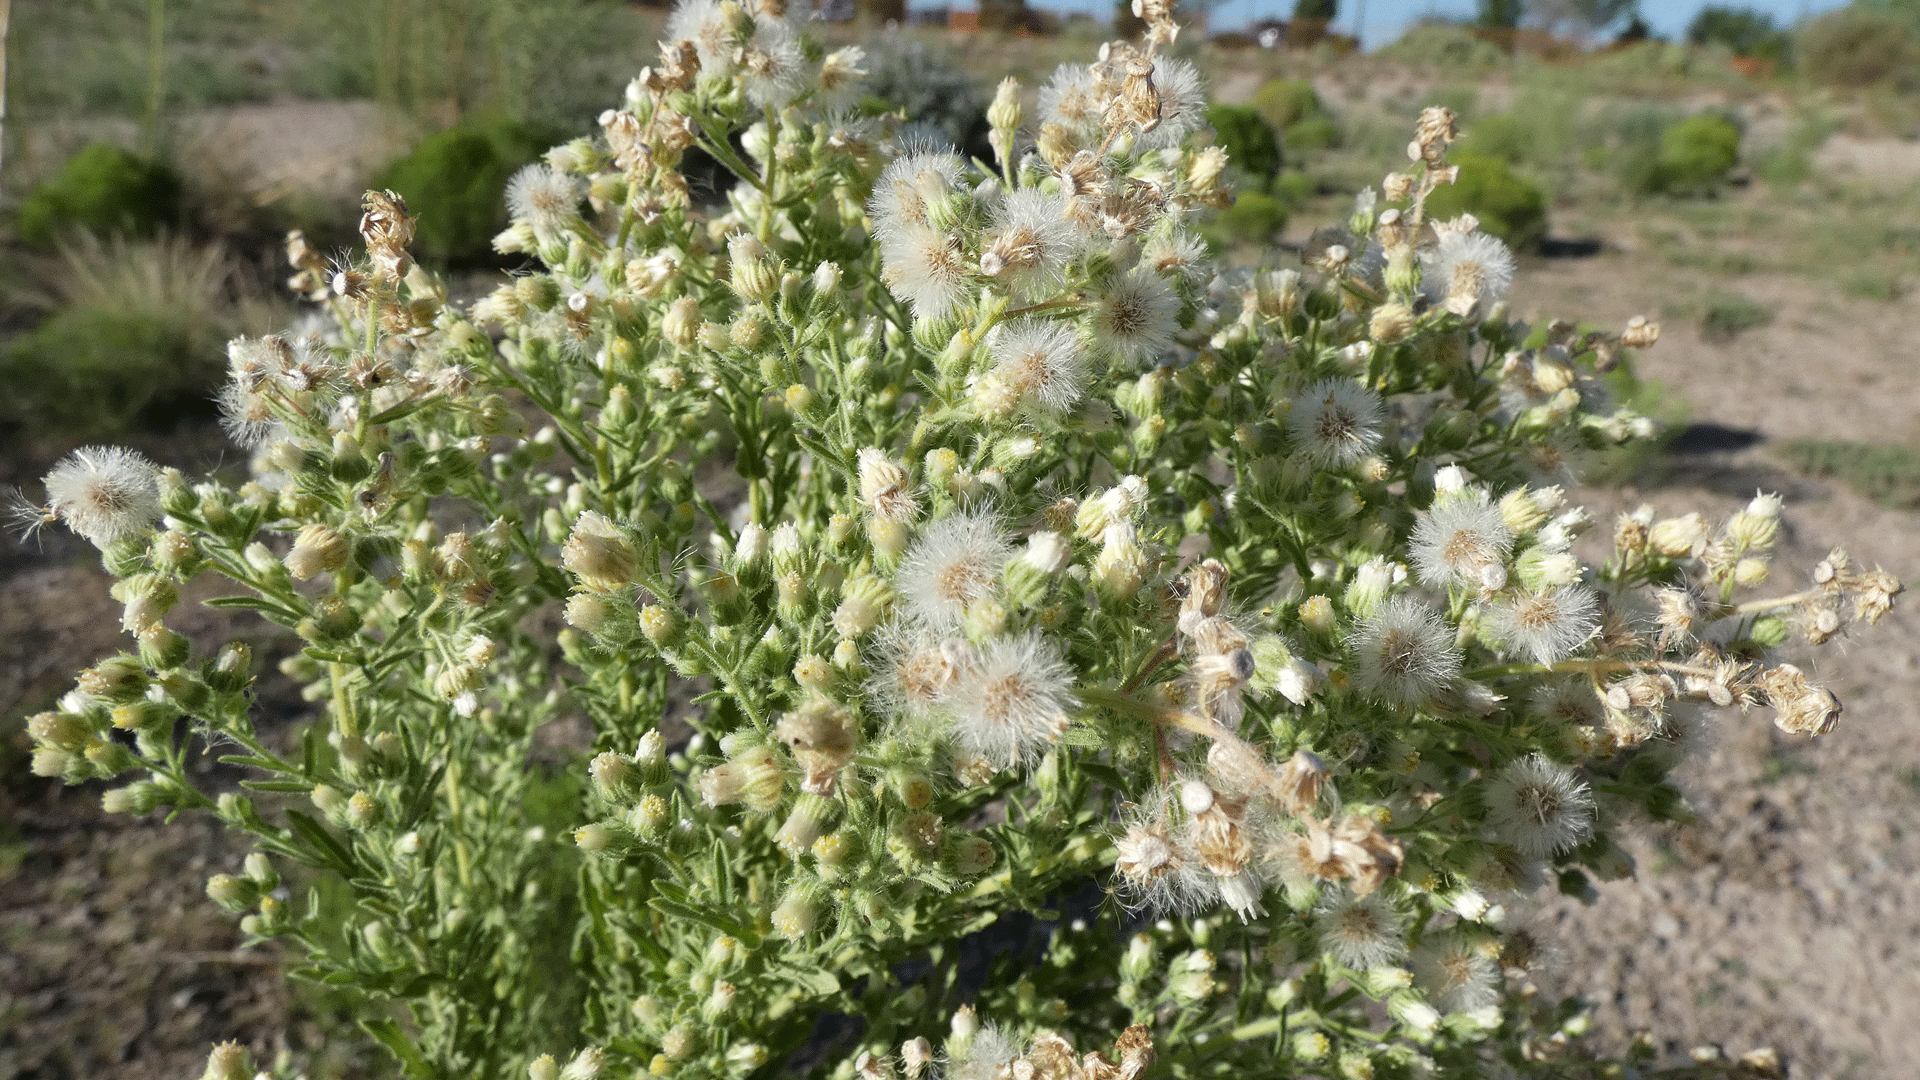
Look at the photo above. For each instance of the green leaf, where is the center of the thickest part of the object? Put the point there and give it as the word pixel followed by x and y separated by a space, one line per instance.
pixel 817 981
pixel 681 911
pixel 404 1051
pixel 261 604
pixel 331 852
pixel 293 786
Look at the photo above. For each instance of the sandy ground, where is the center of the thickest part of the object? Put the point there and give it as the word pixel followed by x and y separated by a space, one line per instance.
pixel 1787 913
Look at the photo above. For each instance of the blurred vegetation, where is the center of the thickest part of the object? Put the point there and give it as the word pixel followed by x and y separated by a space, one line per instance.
pixel 134 334
pixel 1742 30
pixel 1508 205
pixel 453 181
pixel 1297 113
pixel 1253 150
pixel 1443 45
pixel 1867 43
pixel 928 84
pixel 1728 315
pixel 1889 475
pixel 102 190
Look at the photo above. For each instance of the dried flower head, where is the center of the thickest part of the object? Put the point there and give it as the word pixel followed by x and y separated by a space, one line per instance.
pixel 104 493
pixel 1539 807
pixel 1404 653
pixel 1014 700
pixel 1336 422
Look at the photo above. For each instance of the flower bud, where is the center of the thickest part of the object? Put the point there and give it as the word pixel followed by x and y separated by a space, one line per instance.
pixel 752 273
pixel 599 554
pixel 663 627
pixel 228 1061
pixel 234 894
pixel 797 915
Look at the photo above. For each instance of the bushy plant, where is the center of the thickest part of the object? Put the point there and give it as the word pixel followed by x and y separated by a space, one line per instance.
pixel 928 87
pixel 1297 113
pixel 1862 44
pixel 1443 45
pixel 1249 141
pixel 454 179
pixel 929 546
pixel 1743 30
pixel 1508 205
pixel 101 190
pixel 1697 154
pixel 132 334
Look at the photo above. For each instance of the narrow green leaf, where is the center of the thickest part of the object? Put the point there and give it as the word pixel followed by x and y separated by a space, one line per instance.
pixel 403 1050
pixel 330 850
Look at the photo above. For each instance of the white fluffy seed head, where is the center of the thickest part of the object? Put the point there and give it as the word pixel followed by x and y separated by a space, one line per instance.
pixel 104 493
pixel 955 561
pixel 1466 272
pixel 1043 362
pixel 544 196
pixel 1360 932
pixel 1545 625
pixel 925 267
pixel 1014 700
pixel 1462 539
pixel 1456 975
pixel 1134 316
pixel 1403 653
pixel 1540 807
pixel 1031 242
pixel 1336 422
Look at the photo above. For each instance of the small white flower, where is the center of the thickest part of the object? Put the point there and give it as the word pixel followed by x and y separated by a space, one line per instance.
pixel 1336 422
pixel 546 197
pixel 1403 653
pixel 1135 316
pixel 916 669
pixel 956 561
pixel 1361 932
pixel 1014 700
pixel 1177 254
pixel 1466 272
pixel 1540 807
pixel 1031 242
pixel 1047 552
pixel 104 493
pixel 703 23
pixel 1462 539
pixel 925 267
pixel 1456 975
pixel 1546 625
pixel 1041 361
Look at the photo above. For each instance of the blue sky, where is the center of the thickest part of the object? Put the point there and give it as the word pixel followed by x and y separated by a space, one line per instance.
pixel 1386 19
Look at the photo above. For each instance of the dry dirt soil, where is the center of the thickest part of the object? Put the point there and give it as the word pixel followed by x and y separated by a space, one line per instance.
pixel 1785 913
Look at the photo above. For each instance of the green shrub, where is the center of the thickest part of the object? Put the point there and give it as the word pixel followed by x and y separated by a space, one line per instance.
pixel 1508 205
pixel 1296 111
pixel 455 181
pixel 1745 31
pixel 1862 45
pixel 102 189
pixel 1444 45
pixel 135 336
pixel 1697 153
pixel 1253 218
pixel 1250 142
pixel 1285 102
pixel 1506 138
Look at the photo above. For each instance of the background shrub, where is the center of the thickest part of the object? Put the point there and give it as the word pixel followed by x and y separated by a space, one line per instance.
pixel 1444 45
pixel 1297 113
pixel 453 182
pixel 1862 45
pixel 136 335
pixel 1743 30
pixel 102 189
pixel 1697 154
pixel 932 89
pixel 1508 205
pixel 1251 144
